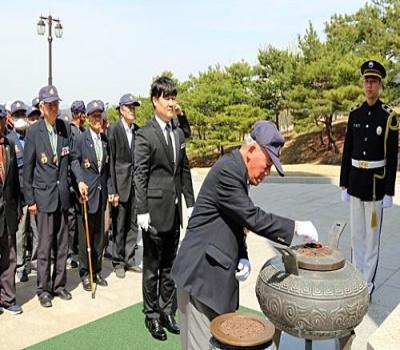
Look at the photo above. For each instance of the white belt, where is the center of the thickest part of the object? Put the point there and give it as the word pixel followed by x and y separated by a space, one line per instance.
pixel 366 164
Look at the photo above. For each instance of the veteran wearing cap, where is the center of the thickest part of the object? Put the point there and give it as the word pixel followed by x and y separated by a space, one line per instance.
pixel 125 231
pixel 78 116
pixel 90 165
pixel 27 223
pixel 368 171
pixel 46 191
pixel 213 256
pixel 9 213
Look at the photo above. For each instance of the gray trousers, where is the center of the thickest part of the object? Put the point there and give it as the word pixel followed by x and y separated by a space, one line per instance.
pixel 365 241
pixel 125 233
pixel 195 319
pixel 8 265
pixel 27 221
pixel 53 235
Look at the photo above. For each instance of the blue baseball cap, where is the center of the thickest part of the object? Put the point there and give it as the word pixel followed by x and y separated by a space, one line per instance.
pixel 35 102
pixel 95 106
pixel 267 136
pixel 128 99
pixel 48 94
pixel 78 107
pixel 32 110
pixel 3 112
pixel 17 106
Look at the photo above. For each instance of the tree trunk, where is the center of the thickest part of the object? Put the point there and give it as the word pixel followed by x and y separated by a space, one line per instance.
pixel 329 132
pixel 277 119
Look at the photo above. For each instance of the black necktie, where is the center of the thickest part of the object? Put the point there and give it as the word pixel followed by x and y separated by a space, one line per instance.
pixel 170 147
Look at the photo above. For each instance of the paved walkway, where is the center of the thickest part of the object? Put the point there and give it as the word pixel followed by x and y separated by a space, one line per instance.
pixel 302 201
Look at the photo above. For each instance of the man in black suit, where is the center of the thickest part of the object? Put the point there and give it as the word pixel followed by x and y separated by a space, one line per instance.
pixel 213 255
pixel 162 174
pixel 46 191
pixel 9 212
pixel 121 136
pixel 90 165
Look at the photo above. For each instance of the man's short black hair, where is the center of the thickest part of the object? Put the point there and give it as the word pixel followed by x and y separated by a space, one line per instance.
pixel 163 86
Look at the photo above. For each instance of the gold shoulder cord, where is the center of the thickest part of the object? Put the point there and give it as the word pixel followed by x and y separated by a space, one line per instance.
pixel 389 126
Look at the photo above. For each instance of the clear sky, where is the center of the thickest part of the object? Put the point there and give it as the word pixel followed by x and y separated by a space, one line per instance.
pixel 113 47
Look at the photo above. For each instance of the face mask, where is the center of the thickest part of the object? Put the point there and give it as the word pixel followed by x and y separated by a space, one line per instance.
pixel 20 124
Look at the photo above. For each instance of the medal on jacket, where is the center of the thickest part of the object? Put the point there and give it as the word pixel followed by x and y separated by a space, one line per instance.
pixel 379 130
pixel 16 149
pixel 43 158
pixel 86 163
pixel 55 160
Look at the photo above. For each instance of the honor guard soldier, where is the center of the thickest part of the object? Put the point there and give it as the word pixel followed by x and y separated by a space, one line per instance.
pixel 125 231
pixel 90 165
pixel 9 214
pixel 46 191
pixel 368 170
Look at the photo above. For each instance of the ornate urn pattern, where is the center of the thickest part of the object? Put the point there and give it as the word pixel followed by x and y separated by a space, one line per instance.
pixel 312 304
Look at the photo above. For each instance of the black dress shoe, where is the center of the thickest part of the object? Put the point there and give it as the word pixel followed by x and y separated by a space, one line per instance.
pixel 86 284
pixel 168 321
pixel 155 329
pixel 63 294
pixel 100 280
pixel 45 299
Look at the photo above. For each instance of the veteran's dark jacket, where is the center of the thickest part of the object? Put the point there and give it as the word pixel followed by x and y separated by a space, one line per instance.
pixel 85 169
pixel 10 207
pixel 46 182
pixel 215 240
pixel 121 160
pixel 365 141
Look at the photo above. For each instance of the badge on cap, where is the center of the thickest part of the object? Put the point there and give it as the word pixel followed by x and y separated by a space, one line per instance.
pixel 86 163
pixel 370 64
pixel 18 104
pixel 95 104
pixel 51 91
pixel 43 158
pixel 379 130
pixel 131 97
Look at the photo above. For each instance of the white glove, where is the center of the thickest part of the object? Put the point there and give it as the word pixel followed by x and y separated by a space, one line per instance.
pixel 306 231
pixel 189 212
pixel 345 195
pixel 243 270
pixel 387 201
pixel 143 221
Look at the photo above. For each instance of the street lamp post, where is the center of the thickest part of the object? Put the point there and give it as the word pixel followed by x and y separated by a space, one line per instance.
pixel 41 29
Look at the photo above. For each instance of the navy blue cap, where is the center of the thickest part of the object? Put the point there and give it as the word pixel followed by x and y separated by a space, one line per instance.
pixel 3 112
pixel 35 102
pixel 373 68
pixel 17 106
pixel 48 94
pixel 267 136
pixel 128 99
pixel 78 107
pixel 104 116
pixel 95 106
pixel 32 110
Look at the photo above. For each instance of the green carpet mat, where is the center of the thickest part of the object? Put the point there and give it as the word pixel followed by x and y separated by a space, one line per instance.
pixel 121 330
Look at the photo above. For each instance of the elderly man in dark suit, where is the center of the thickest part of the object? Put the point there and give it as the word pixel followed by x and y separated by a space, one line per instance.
pixel 46 191
pixel 9 212
pixel 213 256
pixel 122 143
pixel 162 175
pixel 90 165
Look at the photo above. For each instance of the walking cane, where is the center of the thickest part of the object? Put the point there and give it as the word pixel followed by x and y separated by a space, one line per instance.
pixel 89 252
